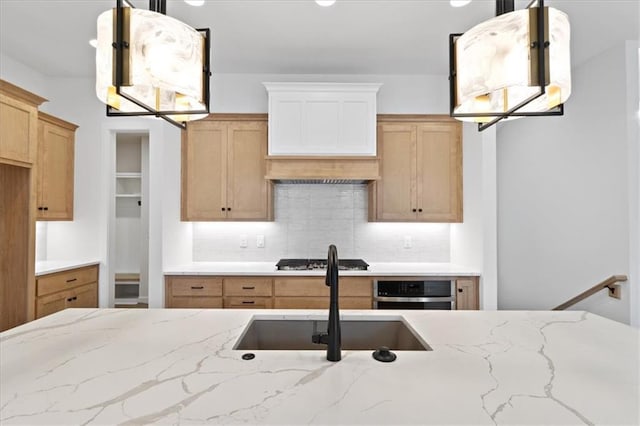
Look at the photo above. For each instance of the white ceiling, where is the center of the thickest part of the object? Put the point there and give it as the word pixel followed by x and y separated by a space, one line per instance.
pixel 298 36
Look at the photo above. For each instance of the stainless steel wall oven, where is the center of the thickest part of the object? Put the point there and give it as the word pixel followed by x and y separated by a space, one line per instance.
pixel 436 294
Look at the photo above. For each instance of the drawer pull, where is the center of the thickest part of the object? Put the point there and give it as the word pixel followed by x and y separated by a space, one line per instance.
pixel 72 280
pixel 71 299
pixel 248 288
pixel 199 287
pixel 248 302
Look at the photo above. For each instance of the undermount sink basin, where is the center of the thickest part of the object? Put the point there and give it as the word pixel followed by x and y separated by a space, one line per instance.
pixel 357 334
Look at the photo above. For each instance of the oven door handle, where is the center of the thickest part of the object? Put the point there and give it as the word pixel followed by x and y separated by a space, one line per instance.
pixel 414 299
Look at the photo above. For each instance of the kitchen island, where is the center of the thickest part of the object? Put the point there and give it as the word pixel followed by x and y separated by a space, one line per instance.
pixel 107 366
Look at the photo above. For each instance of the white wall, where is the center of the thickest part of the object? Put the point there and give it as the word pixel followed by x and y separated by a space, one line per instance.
pixel 23 76
pixel 399 94
pixel 633 141
pixel 473 242
pixel 563 203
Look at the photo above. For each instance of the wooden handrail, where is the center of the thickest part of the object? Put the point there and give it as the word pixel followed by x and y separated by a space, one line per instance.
pixel 614 291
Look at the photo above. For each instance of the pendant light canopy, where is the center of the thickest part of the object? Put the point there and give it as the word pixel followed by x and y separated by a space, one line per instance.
pixel 514 65
pixel 150 64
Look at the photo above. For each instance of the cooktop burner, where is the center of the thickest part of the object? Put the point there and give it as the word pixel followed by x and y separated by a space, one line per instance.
pixel 306 264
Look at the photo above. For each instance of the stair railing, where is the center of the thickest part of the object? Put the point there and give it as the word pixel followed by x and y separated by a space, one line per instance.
pixel 610 283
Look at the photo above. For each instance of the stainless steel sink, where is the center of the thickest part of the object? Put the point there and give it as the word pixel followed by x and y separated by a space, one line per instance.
pixel 357 334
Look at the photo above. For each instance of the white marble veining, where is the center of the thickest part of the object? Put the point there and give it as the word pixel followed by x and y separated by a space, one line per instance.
pixel 50 266
pixel 132 366
pixel 269 268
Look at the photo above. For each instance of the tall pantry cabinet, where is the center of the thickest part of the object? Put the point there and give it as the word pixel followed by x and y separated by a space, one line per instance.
pixel 18 152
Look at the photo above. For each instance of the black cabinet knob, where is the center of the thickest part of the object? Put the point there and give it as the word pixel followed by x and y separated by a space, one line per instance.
pixel 40 208
pixel 414 210
pixel 420 210
pixel 46 208
pixel 228 209
pixel 460 290
pixel 223 209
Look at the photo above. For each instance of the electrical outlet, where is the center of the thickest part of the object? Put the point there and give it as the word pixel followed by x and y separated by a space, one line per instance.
pixel 244 242
pixel 407 242
pixel 260 241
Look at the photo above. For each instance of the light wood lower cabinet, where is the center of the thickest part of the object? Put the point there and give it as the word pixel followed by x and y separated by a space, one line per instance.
pixel 313 293
pixel 467 294
pixel 75 288
pixel 287 292
pixel 265 292
pixel 193 292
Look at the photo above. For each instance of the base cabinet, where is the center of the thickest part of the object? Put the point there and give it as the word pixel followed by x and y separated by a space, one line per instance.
pixel 264 292
pixel 75 288
pixel 313 293
pixel 236 292
pixel 467 294
pixel 193 292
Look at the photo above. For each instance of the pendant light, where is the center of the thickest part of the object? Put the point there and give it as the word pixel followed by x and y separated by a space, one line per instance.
pixel 149 64
pixel 514 65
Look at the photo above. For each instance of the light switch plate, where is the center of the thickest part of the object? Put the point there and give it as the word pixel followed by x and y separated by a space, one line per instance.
pixel 260 241
pixel 244 242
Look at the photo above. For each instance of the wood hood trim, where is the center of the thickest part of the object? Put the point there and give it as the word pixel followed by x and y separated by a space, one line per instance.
pixel 322 168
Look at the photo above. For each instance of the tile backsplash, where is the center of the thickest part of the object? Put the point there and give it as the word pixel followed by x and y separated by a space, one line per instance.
pixel 309 217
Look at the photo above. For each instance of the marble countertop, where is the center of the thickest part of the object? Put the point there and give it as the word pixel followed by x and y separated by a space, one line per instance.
pixel 269 268
pixel 50 266
pixel 173 366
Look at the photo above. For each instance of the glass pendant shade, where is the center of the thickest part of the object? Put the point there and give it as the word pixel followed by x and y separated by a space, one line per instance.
pixel 163 69
pixel 496 66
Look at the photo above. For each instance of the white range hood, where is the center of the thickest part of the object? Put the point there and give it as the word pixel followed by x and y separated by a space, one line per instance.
pixel 322 119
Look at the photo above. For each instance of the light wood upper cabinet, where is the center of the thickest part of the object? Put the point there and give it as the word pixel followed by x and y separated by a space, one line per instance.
pixel 223 169
pixel 18 131
pixel 421 170
pixel 56 142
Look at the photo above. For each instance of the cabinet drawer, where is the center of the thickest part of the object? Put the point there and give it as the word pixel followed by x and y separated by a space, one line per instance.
pixel 85 296
pixel 248 302
pixel 248 286
pixel 196 286
pixel 52 283
pixel 315 286
pixel 195 302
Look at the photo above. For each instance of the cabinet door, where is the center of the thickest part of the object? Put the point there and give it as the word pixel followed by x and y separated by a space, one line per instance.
pixel 18 132
pixel 55 172
pixel 439 172
pixel 204 171
pixel 396 191
pixel 248 192
pixel 467 297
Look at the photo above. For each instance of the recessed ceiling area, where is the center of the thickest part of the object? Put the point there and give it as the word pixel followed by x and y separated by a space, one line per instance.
pixel 299 36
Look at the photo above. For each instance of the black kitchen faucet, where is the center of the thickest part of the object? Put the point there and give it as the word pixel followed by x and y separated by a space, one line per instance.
pixel 332 337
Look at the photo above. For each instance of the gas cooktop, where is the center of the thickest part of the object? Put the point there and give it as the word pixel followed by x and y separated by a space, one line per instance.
pixel 311 264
